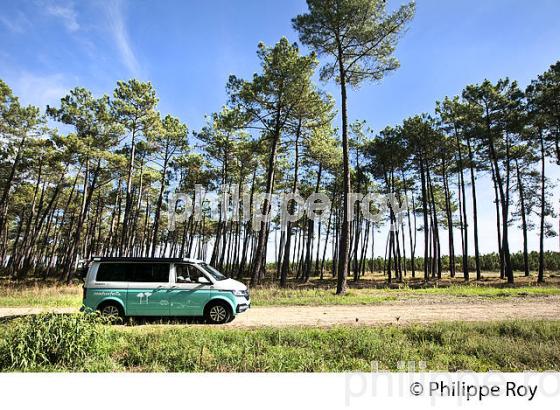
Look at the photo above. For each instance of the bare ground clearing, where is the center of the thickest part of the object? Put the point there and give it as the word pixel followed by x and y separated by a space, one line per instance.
pixel 400 312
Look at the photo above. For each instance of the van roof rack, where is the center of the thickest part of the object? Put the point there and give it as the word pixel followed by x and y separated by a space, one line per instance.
pixel 137 259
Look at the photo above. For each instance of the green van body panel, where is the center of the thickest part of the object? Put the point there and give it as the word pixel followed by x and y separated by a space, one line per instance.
pixel 147 302
pixel 95 297
pixel 170 302
pixel 94 301
pixel 227 297
pixel 188 302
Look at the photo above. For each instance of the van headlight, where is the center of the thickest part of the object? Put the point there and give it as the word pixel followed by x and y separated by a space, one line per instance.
pixel 239 293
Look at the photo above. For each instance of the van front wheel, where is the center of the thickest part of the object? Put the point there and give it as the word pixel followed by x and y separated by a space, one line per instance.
pixel 217 313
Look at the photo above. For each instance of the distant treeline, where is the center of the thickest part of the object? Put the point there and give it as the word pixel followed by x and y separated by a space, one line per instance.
pixel 489 262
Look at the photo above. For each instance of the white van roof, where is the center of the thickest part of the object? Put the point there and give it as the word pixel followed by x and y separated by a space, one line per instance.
pixel 145 260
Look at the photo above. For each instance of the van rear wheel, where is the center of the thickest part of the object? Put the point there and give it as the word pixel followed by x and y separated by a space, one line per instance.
pixel 218 313
pixel 112 310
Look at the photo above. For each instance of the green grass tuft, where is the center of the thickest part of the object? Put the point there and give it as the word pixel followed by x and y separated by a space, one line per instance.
pixel 77 342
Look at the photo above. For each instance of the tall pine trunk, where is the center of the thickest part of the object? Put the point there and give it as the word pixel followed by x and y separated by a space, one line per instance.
pixel 344 241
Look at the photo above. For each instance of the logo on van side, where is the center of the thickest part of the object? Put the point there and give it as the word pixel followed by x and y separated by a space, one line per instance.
pixel 107 293
pixel 144 297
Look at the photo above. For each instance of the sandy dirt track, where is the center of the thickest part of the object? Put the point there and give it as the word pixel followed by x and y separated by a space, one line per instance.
pixel 402 313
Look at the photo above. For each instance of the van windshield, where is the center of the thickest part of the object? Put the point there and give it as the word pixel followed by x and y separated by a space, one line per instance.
pixel 212 272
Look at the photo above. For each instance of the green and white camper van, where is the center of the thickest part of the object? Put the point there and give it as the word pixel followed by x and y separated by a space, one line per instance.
pixel 162 287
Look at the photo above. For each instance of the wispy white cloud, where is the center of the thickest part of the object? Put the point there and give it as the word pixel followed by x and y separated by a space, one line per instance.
pixel 64 11
pixel 118 29
pixel 40 90
pixel 16 24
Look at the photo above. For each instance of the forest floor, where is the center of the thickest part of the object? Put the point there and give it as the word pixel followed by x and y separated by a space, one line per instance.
pixel 369 290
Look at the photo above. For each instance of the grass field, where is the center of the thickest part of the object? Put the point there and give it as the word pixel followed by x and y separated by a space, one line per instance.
pixel 370 290
pixel 501 346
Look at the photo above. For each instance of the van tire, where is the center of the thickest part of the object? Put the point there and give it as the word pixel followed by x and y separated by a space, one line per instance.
pixel 111 310
pixel 218 312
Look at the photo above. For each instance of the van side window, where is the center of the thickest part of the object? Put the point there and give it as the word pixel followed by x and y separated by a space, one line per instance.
pixel 150 272
pixel 142 273
pixel 133 272
pixel 160 272
pixel 112 272
pixel 187 274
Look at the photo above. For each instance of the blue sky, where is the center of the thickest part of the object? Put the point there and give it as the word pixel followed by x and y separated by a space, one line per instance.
pixel 187 49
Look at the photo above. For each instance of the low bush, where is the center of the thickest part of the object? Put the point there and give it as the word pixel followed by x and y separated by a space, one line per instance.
pixel 67 342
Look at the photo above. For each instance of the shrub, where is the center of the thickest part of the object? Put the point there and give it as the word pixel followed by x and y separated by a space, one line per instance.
pixel 54 341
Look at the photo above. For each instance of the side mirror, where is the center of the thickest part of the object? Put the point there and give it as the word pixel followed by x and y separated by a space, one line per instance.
pixel 202 280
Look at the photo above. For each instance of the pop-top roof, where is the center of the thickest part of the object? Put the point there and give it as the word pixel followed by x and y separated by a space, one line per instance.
pixel 136 259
